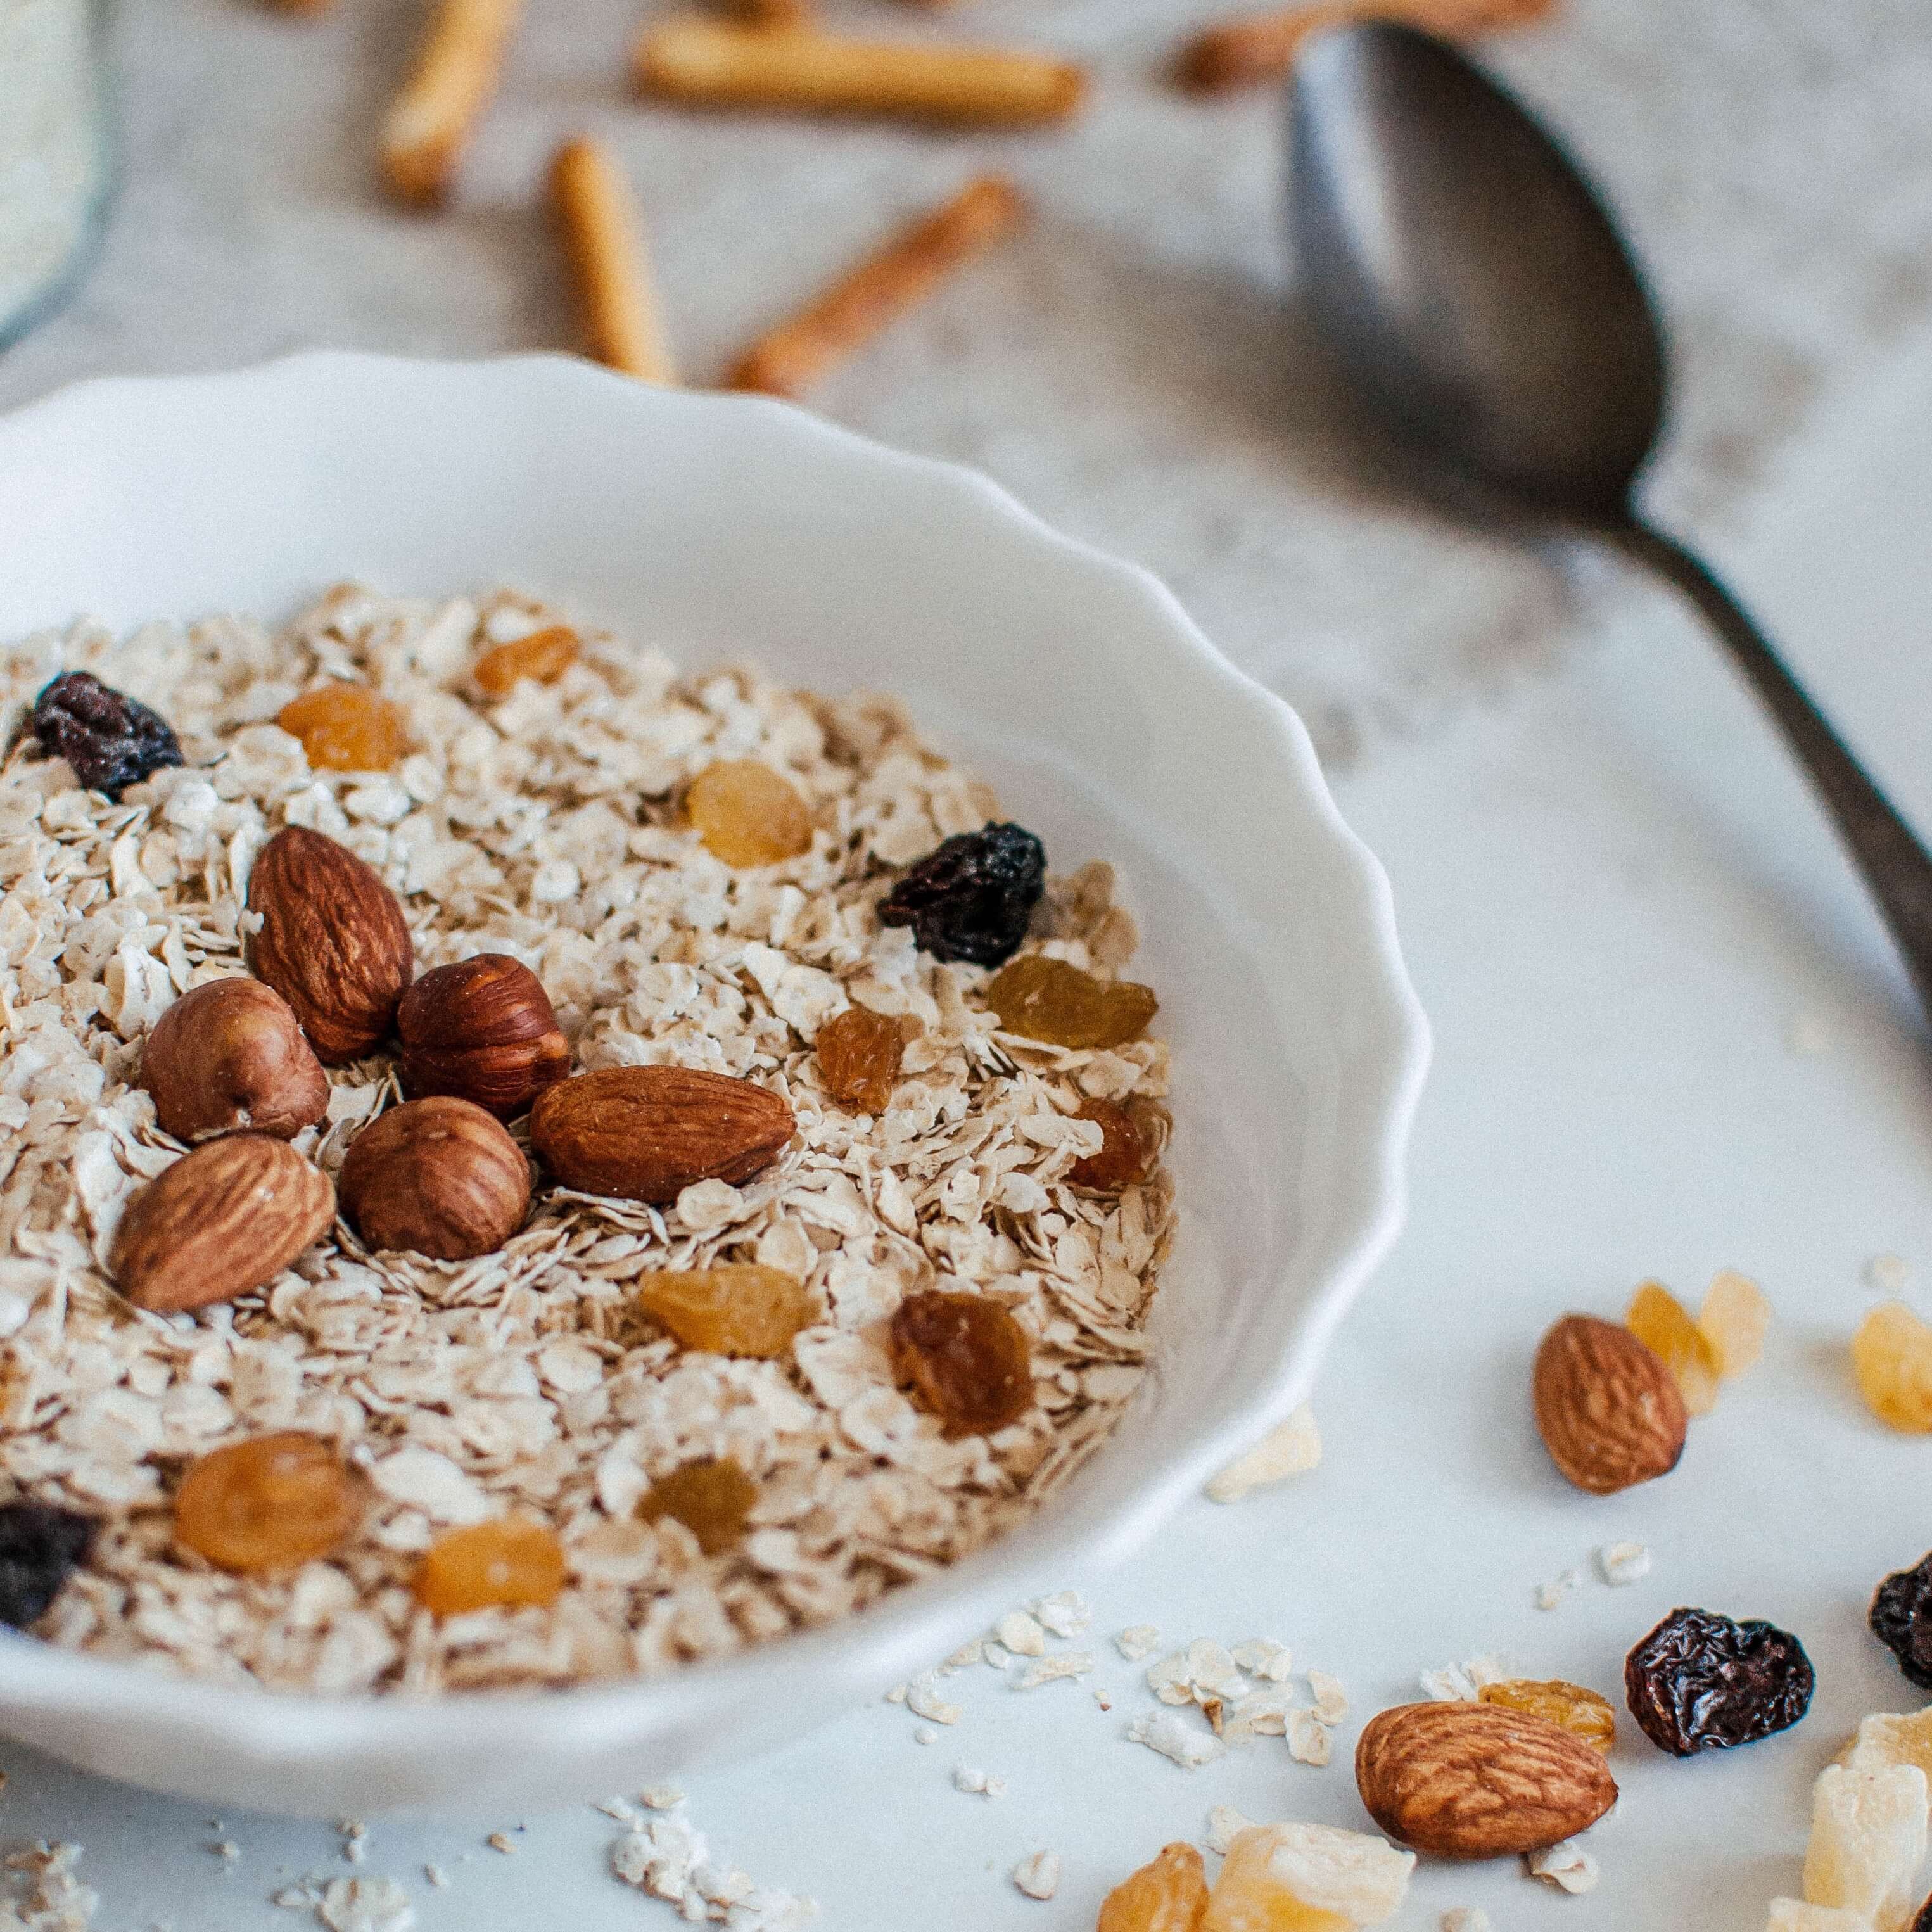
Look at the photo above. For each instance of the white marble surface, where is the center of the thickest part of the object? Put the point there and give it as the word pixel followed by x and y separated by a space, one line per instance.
pixel 1616 898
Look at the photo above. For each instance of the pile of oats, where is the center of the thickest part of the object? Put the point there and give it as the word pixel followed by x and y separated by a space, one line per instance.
pixel 544 825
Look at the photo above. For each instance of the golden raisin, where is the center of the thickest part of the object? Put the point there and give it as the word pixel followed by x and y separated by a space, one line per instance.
pixel 732 1308
pixel 1581 1712
pixel 345 727
pixel 544 655
pixel 274 1502
pixel 713 1499
pixel 509 1562
pixel 1664 1325
pixel 858 1054
pixel 1047 1000
pixel 1249 1896
pixel 1891 1356
pixel 1122 1157
pixel 1734 1317
pixel 747 814
pixel 964 1358
pixel 1169 1895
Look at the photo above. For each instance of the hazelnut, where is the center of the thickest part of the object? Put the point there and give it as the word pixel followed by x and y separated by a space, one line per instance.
pixel 438 1176
pixel 229 1057
pixel 483 1030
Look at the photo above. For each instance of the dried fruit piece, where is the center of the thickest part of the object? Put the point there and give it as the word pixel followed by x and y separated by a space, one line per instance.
pixel 747 814
pixel 508 1562
pixel 437 1177
pixel 859 1055
pixel 712 1497
pixel 228 1058
pixel 273 1502
pixel 1307 1878
pixel 1887 1738
pixel 333 941
pixel 1867 1842
pixel 40 1547
pixel 226 1219
pixel 972 898
pixel 544 655
pixel 965 1359
pixel 1901 1620
pixel 111 740
pixel 1053 1002
pixel 1664 1325
pixel 733 1308
pixel 1607 1409
pixel 1168 1894
pixel 1891 1356
pixel 1581 1713
pixel 1122 1157
pixel 483 1030
pixel 1700 1681
pixel 645 1133
pixel 1734 1319
pixel 1463 1781
pixel 347 728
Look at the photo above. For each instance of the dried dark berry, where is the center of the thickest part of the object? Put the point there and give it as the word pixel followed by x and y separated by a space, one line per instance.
pixel 1901 1620
pixel 40 1546
pixel 111 741
pixel 1702 1682
pixel 1923 1923
pixel 972 897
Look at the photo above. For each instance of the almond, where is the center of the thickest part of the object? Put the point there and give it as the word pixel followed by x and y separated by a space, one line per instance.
pixel 333 941
pixel 645 1133
pixel 1478 1781
pixel 1607 1407
pixel 225 1219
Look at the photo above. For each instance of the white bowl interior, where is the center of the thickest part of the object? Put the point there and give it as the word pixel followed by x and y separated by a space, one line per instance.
pixel 727 529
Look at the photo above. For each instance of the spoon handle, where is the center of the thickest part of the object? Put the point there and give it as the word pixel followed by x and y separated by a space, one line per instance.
pixel 1896 866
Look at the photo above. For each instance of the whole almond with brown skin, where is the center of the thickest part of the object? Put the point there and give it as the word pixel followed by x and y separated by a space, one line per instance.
pixel 1464 1781
pixel 645 1133
pixel 440 1176
pixel 333 941
pixel 483 1030
pixel 226 1219
pixel 228 1058
pixel 1607 1407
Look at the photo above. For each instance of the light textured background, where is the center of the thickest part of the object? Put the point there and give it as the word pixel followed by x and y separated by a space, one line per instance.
pixel 1616 898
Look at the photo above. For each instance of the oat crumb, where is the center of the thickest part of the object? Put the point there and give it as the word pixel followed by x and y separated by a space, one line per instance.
pixel 1065 1613
pixel 1051 1670
pixel 1038 1874
pixel 925 1734
pixel 1262 1657
pixel 1623 1563
pixel 1169 1733
pixel 661 1797
pixel 1309 1740
pixel 500 1841
pixel 1466 1918
pixel 1224 1824
pixel 979 1783
pixel 1888 1273
pixel 1291 1449
pixel 1565 1865
pixel 437 1876
pixel 1021 1634
pixel 366 1905
pixel 1331 1701
pixel 1138 1642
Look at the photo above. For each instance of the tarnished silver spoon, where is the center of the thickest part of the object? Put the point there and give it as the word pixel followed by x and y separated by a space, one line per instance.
pixel 1464 275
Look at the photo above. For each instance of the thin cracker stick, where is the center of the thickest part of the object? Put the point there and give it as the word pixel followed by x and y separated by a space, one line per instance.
pixel 455 73
pixel 605 241
pixel 1243 52
pixel 712 64
pixel 857 306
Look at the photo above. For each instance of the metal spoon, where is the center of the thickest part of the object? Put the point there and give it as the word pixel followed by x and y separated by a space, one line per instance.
pixel 1465 276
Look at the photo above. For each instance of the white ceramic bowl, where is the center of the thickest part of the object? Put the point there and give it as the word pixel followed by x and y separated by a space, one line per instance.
pixel 726 527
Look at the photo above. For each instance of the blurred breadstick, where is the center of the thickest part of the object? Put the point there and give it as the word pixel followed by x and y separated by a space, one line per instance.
pixel 455 74
pixel 1264 47
pixel 857 306
pixel 712 64
pixel 604 241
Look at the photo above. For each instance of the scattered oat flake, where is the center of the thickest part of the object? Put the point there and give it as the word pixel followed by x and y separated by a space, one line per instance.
pixel 979 1783
pixel 500 1841
pixel 1331 1701
pixel 925 1734
pixel 1065 1613
pixel 1466 1918
pixel 923 1700
pixel 1138 1641
pixel 366 1905
pixel 898 1693
pixel 1038 1874
pixel 226 1850
pixel 437 1876
pixel 1224 1824
pixel 1889 1273
pixel 1169 1733
pixel 1565 1865
pixel 621 1809
pixel 1262 1657
pixel 1021 1634
pixel 661 1797
pixel 1623 1563
pixel 1292 1449
pixel 1051 1670
pixel 1549 1596
pixel 1459 1683
pixel 1309 1740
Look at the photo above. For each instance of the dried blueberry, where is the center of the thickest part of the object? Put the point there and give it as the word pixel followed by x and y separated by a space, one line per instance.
pixel 972 897
pixel 111 741
pixel 1901 1620
pixel 40 1546
pixel 1702 1682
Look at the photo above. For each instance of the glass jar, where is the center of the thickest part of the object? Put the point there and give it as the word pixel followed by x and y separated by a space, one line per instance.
pixel 56 153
